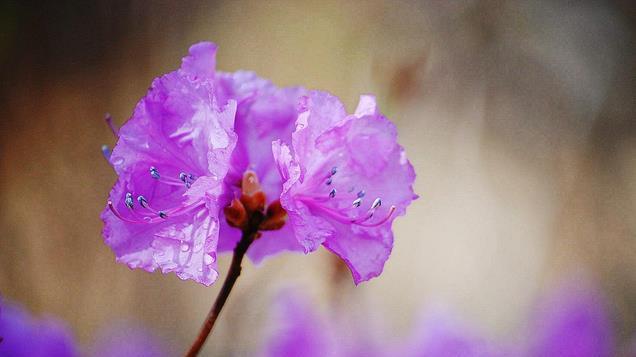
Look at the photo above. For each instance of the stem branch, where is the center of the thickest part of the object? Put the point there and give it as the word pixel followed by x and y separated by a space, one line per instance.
pixel 232 275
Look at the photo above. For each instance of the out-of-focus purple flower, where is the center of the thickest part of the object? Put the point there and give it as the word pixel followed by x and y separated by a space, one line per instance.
pixel 26 336
pixel 124 339
pixel 346 179
pixel 439 334
pixel 572 322
pixel 171 158
pixel 23 335
pixel 299 330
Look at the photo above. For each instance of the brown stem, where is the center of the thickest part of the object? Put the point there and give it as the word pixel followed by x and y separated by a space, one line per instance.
pixel 232 274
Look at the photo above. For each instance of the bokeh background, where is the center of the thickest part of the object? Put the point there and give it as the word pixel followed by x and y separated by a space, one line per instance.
pixel 519 117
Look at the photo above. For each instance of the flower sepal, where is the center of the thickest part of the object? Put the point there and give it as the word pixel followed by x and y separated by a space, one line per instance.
pixel 249 210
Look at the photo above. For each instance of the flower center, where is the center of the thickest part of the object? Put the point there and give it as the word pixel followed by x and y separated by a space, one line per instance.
pixel 149 214
pixel 249 213
pixel 345 206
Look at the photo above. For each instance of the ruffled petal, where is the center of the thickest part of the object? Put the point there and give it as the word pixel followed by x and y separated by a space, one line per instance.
pixel 173 154
pixel 185 245
pixel 346 179
pixel 318 112
pixel 265 113
pixel 274 242
pixel 365 251
pixel 310 230
pixel 200 65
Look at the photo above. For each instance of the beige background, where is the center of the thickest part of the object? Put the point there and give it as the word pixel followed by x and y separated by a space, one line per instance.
pixel 518 117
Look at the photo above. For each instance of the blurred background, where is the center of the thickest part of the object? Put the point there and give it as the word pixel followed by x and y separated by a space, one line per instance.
pixel 519 117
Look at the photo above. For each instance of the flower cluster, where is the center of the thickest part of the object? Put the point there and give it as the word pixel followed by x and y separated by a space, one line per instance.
pixel 572 321
pixel 22 335
pixel 25 335
pixel 199 138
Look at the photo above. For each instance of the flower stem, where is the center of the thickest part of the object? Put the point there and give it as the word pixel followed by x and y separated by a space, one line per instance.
pixel 232 275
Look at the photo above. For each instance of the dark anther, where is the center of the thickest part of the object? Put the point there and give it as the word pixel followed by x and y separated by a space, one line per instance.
pixel 154 173
pixel 129 200
pixel 377 203
pixel 142 201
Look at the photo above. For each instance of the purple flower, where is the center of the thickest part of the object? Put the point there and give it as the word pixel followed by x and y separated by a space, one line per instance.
pixel 171 159
pixel 192 141
pixel 25 336
pixel 180 159
pixel 572 322
pixel 439 334
pixel 346 179
pixel 123 339
pixel 299 330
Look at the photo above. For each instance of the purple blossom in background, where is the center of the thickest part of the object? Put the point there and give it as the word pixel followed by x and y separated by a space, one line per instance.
pixel 124 339
pixel 299 330
pixel 572 322
pixel 26 336
pixel 346 179
pixel 191 140
pixel 439 334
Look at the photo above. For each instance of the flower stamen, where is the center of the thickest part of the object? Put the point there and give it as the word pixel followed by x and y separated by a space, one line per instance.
pixel 184 178
pixel 109 121
pixel 159 215
pixel 106 152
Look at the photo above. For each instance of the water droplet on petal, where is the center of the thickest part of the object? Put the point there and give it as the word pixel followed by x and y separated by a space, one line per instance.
pixel 185 247
pixel 207 259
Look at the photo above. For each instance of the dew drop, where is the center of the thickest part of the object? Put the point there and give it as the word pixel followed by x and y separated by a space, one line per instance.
pixel 185 247
pixel 207 259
